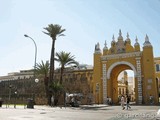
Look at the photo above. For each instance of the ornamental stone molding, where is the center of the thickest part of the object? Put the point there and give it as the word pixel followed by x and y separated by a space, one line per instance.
pixel 122 55
pixel 139 79
pixel 104 83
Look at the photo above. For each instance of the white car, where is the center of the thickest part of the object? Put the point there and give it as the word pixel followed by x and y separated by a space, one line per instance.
pixel 158 115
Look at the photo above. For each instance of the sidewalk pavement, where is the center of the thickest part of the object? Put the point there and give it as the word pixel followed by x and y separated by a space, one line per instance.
pixel 84 112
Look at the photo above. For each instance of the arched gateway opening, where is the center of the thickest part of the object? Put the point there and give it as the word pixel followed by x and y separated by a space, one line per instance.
pixel 116 88
pixel 126 85
pixel 119 57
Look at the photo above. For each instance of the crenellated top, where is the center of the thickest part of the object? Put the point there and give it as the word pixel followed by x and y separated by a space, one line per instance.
pixel 120 35
pixel 121 46
pixel 136 41
pixel 113 41
pixel 105 46
pixel 136 45
pixel 97 48
pixel 128 39
pixel 147 43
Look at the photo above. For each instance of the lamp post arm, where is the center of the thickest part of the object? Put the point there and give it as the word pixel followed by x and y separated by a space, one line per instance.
pixel 35 59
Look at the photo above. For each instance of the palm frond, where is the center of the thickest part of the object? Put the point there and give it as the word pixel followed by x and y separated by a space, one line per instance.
pixel 65 59
pixel 62 35
pixel 46 33
pixel 42 68
pixel 54 30
pixel 56 87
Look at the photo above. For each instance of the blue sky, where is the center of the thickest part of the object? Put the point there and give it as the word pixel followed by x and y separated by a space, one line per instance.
pixel 86 22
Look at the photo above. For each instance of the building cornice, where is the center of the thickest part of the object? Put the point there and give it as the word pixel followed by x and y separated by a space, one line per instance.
pixel 122 55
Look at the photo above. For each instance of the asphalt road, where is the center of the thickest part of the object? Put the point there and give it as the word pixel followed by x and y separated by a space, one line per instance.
pixel 85 112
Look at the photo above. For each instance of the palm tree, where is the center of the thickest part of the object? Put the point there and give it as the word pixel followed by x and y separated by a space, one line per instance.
pixel 53 31
pixel 56 89
pixel 64 59
pixel 42 69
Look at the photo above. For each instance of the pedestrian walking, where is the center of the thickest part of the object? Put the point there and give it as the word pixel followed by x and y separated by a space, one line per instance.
pixel 72 101
pixel 128 101
pixel 110 101
pixel 122 102
pixel 107 100
pixel 52 101
pixel 151 99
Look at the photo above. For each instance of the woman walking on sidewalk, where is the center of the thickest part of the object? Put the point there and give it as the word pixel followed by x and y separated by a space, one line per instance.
pixel 122 102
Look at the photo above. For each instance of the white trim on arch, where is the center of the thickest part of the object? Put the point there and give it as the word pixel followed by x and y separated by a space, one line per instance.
pixel 120 63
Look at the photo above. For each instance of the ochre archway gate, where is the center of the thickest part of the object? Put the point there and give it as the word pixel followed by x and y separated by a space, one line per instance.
pixel 112 76
pixel 121 56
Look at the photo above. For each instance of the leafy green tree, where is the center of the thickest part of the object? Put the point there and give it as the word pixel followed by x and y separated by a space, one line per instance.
pixel 64 59
pixel 53 31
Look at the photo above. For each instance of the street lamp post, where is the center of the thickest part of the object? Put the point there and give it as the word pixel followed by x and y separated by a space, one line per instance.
pixel 36 81
pixel 34 63
pixel 35 53
pixel 15 93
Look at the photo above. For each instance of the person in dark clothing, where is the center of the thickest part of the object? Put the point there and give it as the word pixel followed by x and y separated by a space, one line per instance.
pixel 128 101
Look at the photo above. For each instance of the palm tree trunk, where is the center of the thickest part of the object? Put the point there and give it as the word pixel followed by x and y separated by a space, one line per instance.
pixel 52 62
pixel 47 90
pixel 51 73
pixel 46 85
pixel 61 79
pixel 61 76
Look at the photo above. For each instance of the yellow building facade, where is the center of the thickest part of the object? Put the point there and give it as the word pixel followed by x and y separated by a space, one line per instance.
pixel 157 69
pixel 123 56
